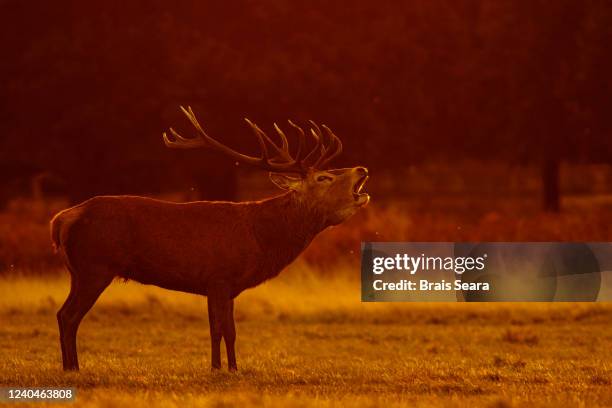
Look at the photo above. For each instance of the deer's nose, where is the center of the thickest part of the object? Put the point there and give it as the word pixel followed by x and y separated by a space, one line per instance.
pixel 362 171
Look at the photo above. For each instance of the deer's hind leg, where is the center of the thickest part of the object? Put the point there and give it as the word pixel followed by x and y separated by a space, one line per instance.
pixel 60 313
pixel 84 291
pixel 229 335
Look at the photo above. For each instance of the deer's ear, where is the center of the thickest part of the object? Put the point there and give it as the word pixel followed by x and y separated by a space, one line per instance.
pixel 285 182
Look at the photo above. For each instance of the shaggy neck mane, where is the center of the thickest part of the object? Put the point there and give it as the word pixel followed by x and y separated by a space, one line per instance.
pixel 285 225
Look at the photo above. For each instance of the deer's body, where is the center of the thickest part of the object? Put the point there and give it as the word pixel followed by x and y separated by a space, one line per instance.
pixel 184 246
pixel 216 249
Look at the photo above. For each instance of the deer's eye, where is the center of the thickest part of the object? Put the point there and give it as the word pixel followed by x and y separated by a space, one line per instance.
pixel 323 178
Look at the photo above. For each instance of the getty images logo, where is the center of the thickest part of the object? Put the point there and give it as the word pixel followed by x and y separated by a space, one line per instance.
pixel 414 264
pixel 485 271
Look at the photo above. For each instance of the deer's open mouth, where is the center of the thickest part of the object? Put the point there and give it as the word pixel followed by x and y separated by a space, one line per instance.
pixel 358 195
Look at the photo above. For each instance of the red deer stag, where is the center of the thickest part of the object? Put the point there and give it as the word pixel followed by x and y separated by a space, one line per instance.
pixel 215 249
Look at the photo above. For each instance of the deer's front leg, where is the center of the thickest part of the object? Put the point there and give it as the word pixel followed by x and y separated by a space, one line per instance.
pixel 219 306
pixel 229 335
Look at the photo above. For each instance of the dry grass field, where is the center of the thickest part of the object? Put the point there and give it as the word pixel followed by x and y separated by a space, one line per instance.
pixel 305 340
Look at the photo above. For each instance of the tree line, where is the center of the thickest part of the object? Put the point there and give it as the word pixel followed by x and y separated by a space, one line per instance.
pixel 88 87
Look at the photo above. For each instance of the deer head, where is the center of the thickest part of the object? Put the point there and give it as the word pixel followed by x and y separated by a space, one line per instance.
pixel 334 194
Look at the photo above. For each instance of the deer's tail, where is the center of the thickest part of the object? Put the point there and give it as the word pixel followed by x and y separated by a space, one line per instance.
pixel 60 226
pixel 56 227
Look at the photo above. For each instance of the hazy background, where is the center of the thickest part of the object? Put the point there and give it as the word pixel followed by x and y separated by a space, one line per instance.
pixel 477 119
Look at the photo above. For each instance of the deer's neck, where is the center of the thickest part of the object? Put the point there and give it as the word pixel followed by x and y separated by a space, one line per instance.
pixel 284 226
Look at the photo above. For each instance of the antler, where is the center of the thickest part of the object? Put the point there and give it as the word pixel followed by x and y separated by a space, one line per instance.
pixel 281 161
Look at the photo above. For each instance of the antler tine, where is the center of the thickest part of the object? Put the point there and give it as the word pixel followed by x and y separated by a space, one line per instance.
pixel 285 146
pixel 333 140
pixel 302 141
pixel 324 152
pixel 323 149
pixel 318 141
pixel 316 128
pixel 262 143
pixel 182 142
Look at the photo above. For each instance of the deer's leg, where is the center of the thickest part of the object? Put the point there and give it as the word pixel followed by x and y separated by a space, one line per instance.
pixel 215 333
pixel 218 302
pixel 229 335
pixel 85 293
pixel 60 314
